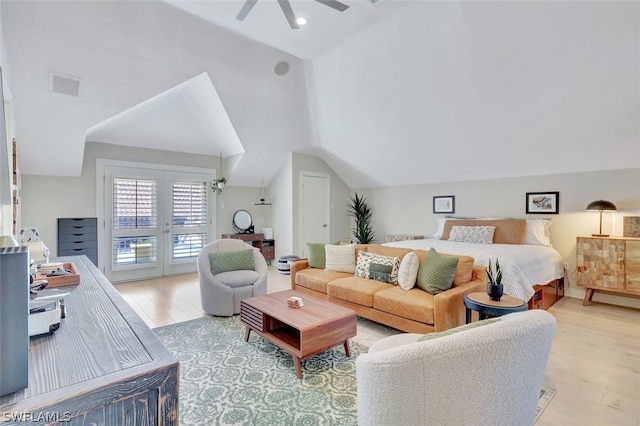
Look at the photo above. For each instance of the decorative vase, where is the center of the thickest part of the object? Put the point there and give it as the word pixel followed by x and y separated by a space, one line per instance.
pixel 494 291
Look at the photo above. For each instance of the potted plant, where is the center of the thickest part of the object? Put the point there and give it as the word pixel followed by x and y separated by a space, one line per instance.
pixel 360 210
pixel 494 286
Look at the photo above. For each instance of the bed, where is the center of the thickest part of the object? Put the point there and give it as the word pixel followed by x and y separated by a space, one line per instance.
pixel 523 265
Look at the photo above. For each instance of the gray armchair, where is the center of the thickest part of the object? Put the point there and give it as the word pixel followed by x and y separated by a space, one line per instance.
pixel 221 293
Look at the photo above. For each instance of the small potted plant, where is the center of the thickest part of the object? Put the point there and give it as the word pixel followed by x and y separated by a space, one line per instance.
pixel 494 286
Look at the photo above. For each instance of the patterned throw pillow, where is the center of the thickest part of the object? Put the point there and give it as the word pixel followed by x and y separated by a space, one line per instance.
pixel 408 271
pixel 472 234
pixel 378 267
pixel 341 258
pixel 226 261
pixel 436 272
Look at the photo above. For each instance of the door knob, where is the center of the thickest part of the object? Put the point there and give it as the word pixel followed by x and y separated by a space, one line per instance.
pixel 324 226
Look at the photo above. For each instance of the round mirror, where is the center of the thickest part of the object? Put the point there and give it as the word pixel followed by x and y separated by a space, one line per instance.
pixel 242 220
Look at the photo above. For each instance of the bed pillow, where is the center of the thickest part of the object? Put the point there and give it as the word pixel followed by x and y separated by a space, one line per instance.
pixel 538 232
pixel 340 258
pixel 508 231
pixel 472 234
pixel 436 272
pixel 378 267
pixel 408 271
pixel 226 261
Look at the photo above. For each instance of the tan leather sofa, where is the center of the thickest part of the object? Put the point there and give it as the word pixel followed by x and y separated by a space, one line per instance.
pixel 414 310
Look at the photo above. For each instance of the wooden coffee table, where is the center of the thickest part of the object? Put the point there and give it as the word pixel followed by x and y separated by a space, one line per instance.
pixel 302 332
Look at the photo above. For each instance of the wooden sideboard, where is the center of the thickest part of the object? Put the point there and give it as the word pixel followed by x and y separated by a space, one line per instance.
pixel 609 264
pixel 103 366
pixel 267 247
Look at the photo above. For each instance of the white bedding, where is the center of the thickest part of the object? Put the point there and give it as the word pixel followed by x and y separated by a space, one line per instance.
pixel 523 266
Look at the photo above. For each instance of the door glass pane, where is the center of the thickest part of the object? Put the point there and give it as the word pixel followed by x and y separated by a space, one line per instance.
pixel 134 208
pixel 136 250
pixel 134 203
pixel 189 218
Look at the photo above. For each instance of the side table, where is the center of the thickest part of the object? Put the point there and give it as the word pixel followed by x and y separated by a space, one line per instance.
pixel 482 303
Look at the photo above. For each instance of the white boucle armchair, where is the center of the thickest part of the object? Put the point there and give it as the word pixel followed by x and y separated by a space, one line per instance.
pixel 221 294
pixel 486 375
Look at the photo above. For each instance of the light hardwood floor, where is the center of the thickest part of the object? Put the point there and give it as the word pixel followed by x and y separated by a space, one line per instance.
pixel 594 363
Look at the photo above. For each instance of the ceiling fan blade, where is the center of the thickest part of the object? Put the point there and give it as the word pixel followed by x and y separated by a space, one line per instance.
pixel 288 13
pixel 335 4
pixel 246 8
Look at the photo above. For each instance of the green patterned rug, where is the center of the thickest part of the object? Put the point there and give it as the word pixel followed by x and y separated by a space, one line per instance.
pixel 227 381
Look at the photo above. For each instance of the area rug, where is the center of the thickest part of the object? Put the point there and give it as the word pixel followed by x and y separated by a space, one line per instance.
pixel 226 381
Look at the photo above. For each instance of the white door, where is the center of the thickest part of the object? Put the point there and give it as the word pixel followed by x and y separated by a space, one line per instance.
pixel 314 209
pixel 155 222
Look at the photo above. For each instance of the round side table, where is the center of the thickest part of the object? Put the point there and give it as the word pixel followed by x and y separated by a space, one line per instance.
pixel 482 303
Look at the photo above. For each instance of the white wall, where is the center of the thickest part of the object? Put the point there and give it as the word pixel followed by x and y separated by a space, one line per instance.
pixel 409 209
pixel 281 193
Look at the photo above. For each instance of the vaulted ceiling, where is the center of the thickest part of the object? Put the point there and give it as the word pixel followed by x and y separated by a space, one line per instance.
pixel 394 93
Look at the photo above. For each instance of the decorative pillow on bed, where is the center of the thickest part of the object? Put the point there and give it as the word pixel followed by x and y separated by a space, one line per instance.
pixel 408 271
pixel 436 272
pixel 378 267
pixel 508 231
pixel 472 234
pixel 341 258
pixel 538 232
pixel 226 261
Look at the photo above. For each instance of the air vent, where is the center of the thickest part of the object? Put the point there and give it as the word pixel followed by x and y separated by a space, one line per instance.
pixel 64 84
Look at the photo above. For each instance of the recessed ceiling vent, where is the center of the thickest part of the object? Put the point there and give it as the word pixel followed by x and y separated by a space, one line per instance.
pixel 64 84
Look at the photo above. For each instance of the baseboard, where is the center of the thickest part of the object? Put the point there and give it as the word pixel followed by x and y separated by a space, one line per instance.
pixel 601 297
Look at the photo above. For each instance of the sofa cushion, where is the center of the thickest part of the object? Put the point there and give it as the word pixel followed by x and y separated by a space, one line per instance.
pixel 472 234
pixel 408 271
pixel 317 279
pixel 231 261
pixel 464 272
pixel 239 278
pixel 436 272
pixel 377 267
pixel 414 304
pixel 340 258
pixel 316 257
pixel 508 231
pixel 356 290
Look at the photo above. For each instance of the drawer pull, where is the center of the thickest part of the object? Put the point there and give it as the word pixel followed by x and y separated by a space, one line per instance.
pixel 78 242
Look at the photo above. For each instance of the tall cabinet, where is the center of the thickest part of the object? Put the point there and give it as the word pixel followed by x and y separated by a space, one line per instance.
pixel 609 264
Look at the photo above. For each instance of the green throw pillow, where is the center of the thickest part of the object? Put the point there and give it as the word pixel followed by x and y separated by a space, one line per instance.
pixel 316 257
pixel 380 272
pixel 231 261
pixel 431 336
pixel 436 272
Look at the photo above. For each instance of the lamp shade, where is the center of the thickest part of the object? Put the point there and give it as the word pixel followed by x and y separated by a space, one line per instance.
pixel 601 205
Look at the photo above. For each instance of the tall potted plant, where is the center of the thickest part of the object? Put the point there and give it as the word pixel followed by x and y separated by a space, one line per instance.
pixel 360 210
pixel 494 286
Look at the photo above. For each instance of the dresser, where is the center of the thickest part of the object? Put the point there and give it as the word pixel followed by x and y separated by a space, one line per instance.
pixel 609 264
pixel 77 236
pixel 103 366
pixel 266 247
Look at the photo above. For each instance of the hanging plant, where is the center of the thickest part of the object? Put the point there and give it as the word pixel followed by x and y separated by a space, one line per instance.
pixel 360 210
pixel 218 184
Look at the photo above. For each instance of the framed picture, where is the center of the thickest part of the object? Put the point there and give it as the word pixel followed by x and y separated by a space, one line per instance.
pixel 444 204
pixel 543 202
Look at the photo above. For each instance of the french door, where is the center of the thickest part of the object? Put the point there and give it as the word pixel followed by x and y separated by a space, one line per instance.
pixel 155 221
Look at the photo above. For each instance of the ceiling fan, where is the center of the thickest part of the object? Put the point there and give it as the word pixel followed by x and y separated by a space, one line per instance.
pixel 288 11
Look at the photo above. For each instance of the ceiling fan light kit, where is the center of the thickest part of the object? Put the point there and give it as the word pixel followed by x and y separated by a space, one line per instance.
pixel 285 5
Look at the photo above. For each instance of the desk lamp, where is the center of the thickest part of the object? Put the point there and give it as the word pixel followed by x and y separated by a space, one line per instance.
pixel 601 206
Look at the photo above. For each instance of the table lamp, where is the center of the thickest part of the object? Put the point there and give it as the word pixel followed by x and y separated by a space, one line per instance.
pixel 600 206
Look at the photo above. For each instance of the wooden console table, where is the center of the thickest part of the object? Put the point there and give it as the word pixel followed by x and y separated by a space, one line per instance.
pixel 266 247
pixel 104 366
